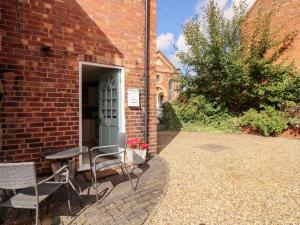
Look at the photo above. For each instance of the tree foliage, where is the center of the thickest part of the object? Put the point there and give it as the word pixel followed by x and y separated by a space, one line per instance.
pixel 232 71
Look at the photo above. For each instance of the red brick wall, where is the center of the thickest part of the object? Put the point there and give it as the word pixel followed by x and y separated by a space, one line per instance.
pixel 166 72
pixel 285 20
pixel 40 112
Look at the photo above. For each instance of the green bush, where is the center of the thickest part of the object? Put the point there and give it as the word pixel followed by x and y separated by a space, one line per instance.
pixel 170 120
pixel 239 70
pixel 228 72
pixel 198 112
pixel 199 109
pixel 268 121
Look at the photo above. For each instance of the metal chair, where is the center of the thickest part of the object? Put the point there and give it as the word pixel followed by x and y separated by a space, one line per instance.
pixel 14 176
pixel 117 162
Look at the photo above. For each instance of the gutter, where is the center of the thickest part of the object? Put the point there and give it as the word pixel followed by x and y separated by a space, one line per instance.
pixel 146 72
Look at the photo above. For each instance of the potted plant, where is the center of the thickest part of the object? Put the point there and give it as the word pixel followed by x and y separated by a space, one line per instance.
pixel 136 151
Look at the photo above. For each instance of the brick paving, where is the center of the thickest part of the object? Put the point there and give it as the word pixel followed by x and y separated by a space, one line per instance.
pixel 118 204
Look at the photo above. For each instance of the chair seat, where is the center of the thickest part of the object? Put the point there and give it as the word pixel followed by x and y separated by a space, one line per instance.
pixel 26 198
pixel 109 164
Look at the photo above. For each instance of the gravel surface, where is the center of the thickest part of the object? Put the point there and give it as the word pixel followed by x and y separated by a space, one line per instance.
pixel 231 179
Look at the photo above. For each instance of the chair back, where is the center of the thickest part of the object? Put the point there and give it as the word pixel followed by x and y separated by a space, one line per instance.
pixel 17 175
pixel 122 140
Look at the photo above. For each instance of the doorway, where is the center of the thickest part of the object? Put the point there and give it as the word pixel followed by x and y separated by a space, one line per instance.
pixel 102 112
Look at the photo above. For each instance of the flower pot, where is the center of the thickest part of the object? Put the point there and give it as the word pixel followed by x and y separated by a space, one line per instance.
pixel 136 156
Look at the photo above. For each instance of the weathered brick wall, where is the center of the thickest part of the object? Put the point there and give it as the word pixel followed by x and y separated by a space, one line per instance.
pixel 40 110
pixel 167 72
pixel 285 20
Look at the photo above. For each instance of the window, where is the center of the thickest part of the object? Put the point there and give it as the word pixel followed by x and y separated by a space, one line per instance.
pixel 157 78
pixel 171 90
pixel 160 100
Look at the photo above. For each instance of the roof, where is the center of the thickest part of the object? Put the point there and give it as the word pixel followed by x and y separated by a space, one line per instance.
pixel 251 8
pixel 166 60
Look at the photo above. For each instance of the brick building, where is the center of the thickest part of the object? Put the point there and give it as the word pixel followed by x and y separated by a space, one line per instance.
pixel 66 68
pixel 166 76
pixel 285 20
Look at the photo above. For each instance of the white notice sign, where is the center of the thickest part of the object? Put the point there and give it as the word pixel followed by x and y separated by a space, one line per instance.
pixel 133 97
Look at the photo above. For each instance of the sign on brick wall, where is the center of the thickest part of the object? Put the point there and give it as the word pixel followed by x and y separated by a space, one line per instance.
pixel 133 97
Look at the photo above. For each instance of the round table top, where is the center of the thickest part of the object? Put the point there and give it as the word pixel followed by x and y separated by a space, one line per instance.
pixel 68 153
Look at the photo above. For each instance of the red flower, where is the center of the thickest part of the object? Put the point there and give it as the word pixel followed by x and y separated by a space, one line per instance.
pixel 144 146
pixel 135 143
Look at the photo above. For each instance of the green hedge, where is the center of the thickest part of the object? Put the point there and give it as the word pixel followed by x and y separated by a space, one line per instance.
pixel 170 119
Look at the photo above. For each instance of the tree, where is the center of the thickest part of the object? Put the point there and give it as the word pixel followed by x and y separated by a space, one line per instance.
pixel 226 69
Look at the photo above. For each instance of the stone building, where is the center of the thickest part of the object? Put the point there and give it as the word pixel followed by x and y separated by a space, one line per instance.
pixel 285 20
pixel 66 68
pixel 166 76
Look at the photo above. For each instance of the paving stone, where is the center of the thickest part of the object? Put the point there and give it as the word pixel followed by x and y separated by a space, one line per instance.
pixel 120 206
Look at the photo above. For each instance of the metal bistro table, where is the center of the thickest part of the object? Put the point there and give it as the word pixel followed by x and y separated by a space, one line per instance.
pixel 64 156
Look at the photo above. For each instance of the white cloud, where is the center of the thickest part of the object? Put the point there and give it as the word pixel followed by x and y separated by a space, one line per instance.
pixel 228 11
pixel 181 44
pixel 165 41
pixel 174 59
pixel 199 7
pixel 200 4
pixel 225 5
pixel 222 3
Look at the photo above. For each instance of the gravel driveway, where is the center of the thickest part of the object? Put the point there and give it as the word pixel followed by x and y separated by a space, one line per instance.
pixel 231 179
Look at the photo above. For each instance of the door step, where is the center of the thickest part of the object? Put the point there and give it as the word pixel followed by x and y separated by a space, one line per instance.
pixel 102 174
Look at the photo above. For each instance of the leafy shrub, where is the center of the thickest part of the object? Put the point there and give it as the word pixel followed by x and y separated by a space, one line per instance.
pixel 268 121
pixel 239 70
pixel 199 112
pixel 227 70
pixel 199 109
pixel 170 120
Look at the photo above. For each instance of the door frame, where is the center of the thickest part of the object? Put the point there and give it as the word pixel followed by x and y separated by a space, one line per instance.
pixel 121 96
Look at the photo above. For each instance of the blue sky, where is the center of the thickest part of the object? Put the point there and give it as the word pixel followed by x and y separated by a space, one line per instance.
pixel 172 14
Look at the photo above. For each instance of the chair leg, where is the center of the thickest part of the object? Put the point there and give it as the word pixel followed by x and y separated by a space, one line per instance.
pixel 37 218
pixel 77 182
pixel 72 185
pixel 123 173
pixel 94 182
pixel 69 199
pixel 127 171
pixel 92 185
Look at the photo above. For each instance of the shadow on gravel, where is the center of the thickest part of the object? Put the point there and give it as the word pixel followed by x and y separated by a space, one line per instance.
pixel 164 138
pixel 214 147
